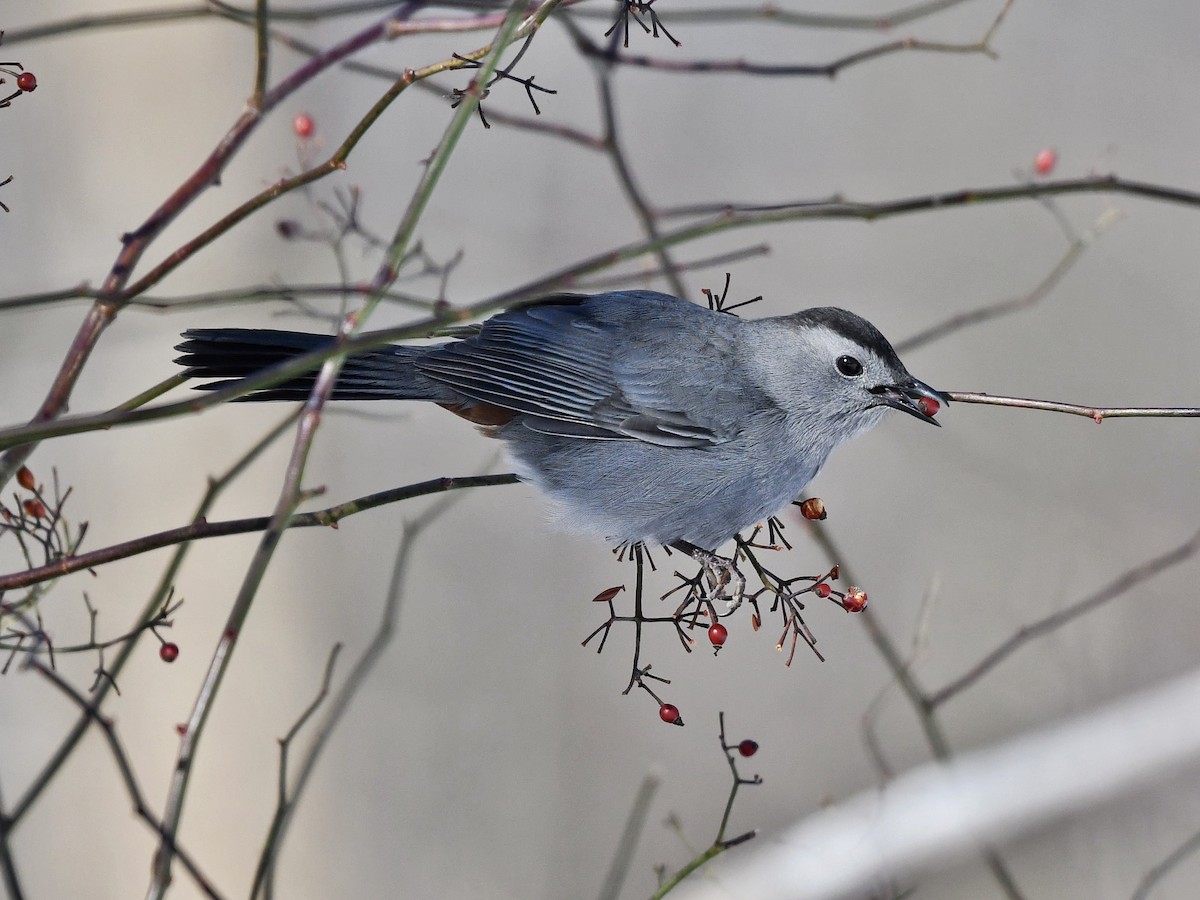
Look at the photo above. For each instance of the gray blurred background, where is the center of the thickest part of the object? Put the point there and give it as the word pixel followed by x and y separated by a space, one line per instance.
pixel 489 755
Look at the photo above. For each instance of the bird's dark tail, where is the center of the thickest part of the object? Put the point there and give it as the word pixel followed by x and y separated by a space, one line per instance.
pixel 230 354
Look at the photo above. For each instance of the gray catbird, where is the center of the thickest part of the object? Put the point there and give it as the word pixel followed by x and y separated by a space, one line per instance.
pixel 643 416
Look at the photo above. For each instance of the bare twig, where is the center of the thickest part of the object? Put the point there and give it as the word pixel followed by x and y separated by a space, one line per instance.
pixel 1122 584
pixel 721 843
pixel 40 430
pixel 291 493
pixel 341 702
pixel 8 866
pixel 624 172
pixel 290 497
pixel 135 243
pixel 280 293
pixel 1096 413
pixel 823 70
pixel 140 807
pixel 284 799
pixel 796 70
pixel 1000 308
pixel 720 259
pixel 839 208
pixel 202 528
pixel 934 815
pixel 630 835
pixel 1165 867
pixel 155 602
pixel 918 699
pixel 116 291
pixel 181 13
pixel 772 13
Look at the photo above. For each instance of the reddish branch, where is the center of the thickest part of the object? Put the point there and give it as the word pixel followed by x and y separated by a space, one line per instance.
pixel 135 243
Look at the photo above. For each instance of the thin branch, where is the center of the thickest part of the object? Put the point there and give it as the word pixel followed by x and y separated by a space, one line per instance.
pixel 8 866
pixel 721 843
pixel 903 676
pixel 523 123
pixel 639 276
pixel 723 221
pixel 771 13
pixel 875 707
pixel 201 528
pixel 290 497
pixel 624 173
pixel 277 292
pixel 345 695
pixel 511 30
pixel 1010 305
pixel 1096 413
pixel 839 208
pixel 767 12
pixel 245 16
pixel 291 493
pixel 1164 868
pixel 284 746
pixel 162 590
pixel 135 243
pixel 786 70
pixel 930 817
pixel 140 807
pixel 826 70
pixel 630 835
pixel 14 639
pixel 1120 585
pixel 262 52
pixel 108 20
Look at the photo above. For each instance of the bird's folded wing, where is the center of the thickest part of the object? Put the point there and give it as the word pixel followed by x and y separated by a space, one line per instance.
pixel 555 364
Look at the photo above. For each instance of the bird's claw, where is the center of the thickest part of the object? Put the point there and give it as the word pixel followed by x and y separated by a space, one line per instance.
pixel 725 580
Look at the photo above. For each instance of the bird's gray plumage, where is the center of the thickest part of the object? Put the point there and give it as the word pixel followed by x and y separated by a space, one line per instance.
pixel 644 417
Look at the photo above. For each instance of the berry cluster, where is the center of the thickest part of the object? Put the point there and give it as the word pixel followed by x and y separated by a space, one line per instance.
pixel 719 580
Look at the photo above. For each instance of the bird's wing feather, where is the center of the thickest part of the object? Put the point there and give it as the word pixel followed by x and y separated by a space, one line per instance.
pixel 567 368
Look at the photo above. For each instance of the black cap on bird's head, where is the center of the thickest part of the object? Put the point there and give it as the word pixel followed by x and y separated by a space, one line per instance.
pixel 900 391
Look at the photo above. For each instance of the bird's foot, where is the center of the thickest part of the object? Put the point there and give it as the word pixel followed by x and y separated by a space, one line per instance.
pixel 725 581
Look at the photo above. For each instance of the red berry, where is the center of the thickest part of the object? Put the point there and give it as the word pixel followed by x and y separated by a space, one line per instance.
pixel 717 634
pixel 821 590
pixel 813 509
pixel 168 652
pixel 669 713
pixel 1044 162
pixel 35 509
pixel 303 125
pixel 27 81
pixel 25 479
pixel 748 747
pixel 855 600
pixel 929 406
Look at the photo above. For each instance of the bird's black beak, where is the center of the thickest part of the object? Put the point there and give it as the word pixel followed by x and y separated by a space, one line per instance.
pixel 908 398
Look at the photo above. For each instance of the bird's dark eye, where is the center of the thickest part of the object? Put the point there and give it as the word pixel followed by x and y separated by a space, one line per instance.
pixel 849 366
